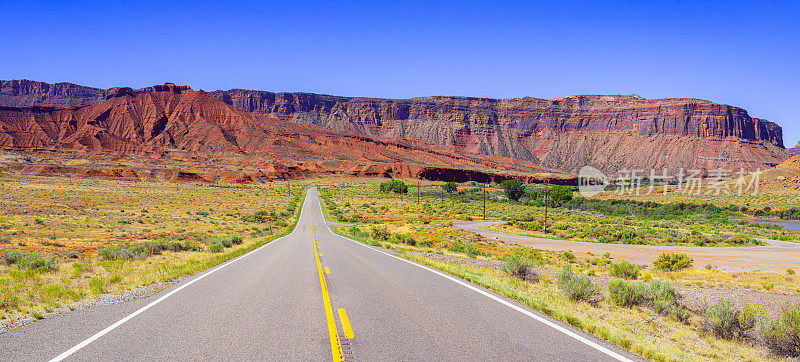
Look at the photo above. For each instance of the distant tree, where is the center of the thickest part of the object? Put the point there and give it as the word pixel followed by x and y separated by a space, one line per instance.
pixel 558 195
pixel 396 186
pixel 514 189
pixel 450 187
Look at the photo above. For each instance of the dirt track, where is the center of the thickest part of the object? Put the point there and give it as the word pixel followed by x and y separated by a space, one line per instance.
pixel 776 256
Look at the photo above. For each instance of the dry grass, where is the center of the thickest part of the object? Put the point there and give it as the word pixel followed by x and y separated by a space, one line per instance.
pixel 73 218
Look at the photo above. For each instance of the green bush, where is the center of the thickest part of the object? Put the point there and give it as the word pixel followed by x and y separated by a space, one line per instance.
pixel 96 285
pixel 466 248
pixel 380 233
pixel 513 189
pixel 672 262
pixel 149 248
pixel 28 260
pixel 521 268
pixel 722 319
pixel 260 216
pixel 396 186
pixel 450 187
pixel 625 294
pixel 625 269
pixel 578 287
pixel 661 297
pixel 751 314
pixel 215 248
pixel 403 239
pixel 783 335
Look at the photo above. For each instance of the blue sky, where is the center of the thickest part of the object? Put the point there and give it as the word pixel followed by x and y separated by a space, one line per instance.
pixel 743 53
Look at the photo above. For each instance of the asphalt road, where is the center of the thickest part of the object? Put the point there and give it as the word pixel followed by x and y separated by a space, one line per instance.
pixel 776 256
pixel 272 304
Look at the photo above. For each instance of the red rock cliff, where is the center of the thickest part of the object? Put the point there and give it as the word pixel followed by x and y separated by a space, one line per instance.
pixel 608 132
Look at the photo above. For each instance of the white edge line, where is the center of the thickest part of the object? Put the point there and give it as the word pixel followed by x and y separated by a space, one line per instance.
pixel 110 328
pixel 557 327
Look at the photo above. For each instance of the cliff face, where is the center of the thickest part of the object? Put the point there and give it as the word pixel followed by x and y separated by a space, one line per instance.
pixel 26 93
pixel 176 123
pixel 607 132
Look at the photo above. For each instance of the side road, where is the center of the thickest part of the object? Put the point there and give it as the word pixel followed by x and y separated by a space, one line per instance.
pixel 776 256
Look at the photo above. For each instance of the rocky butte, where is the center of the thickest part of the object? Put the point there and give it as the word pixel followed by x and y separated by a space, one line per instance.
pixel 609 132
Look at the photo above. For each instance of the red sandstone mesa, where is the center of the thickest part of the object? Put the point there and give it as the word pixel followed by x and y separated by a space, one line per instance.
pixel 177 124
pixel 608 132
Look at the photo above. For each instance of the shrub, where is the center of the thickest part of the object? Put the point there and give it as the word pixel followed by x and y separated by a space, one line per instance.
pixel 522 268
pixel 380 233
pixel 396 186
pixel 625 270
pixel 578 287
pixel 722 319
pixel 751 314
pixel 790 271
pixel 260 216
pixel 568 256
pixel 672 262
pixel 466 248
pixel 404 239
pixel 783 335
pixel 143 250
pixel 450 187
pixel 625 294
pixel 96 285
pixel 661 297
pixel 215 248
pixel 25 260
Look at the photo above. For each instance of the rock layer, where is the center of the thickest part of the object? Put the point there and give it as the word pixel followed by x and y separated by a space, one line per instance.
pixel 196 130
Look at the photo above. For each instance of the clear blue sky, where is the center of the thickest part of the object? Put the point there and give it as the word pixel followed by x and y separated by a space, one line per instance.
pixel 741 53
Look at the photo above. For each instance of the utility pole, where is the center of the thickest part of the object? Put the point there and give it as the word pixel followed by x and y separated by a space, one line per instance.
pixel 417 192
pixel 546 200
pixel 484 202
pixel 288 188
pixel 443 197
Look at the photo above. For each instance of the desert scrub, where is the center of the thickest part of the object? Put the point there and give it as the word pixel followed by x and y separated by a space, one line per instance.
pixel 672 261
pixel 466 248
pixel 522 268
pixel 143 250
pixel 782 336
pixel 215 248
pixel 25 260
pixel 578 287
pixel 625 269
pixel 663 298
pixel 652 336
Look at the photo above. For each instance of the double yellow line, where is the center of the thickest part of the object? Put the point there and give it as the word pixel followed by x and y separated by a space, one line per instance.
pixel 336 345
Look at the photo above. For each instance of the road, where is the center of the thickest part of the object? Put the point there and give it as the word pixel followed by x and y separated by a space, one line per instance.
pixel 776 256
pixel 286 301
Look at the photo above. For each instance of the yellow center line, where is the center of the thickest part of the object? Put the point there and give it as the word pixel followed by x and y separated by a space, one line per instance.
pixel 336 346
pixel 348 331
